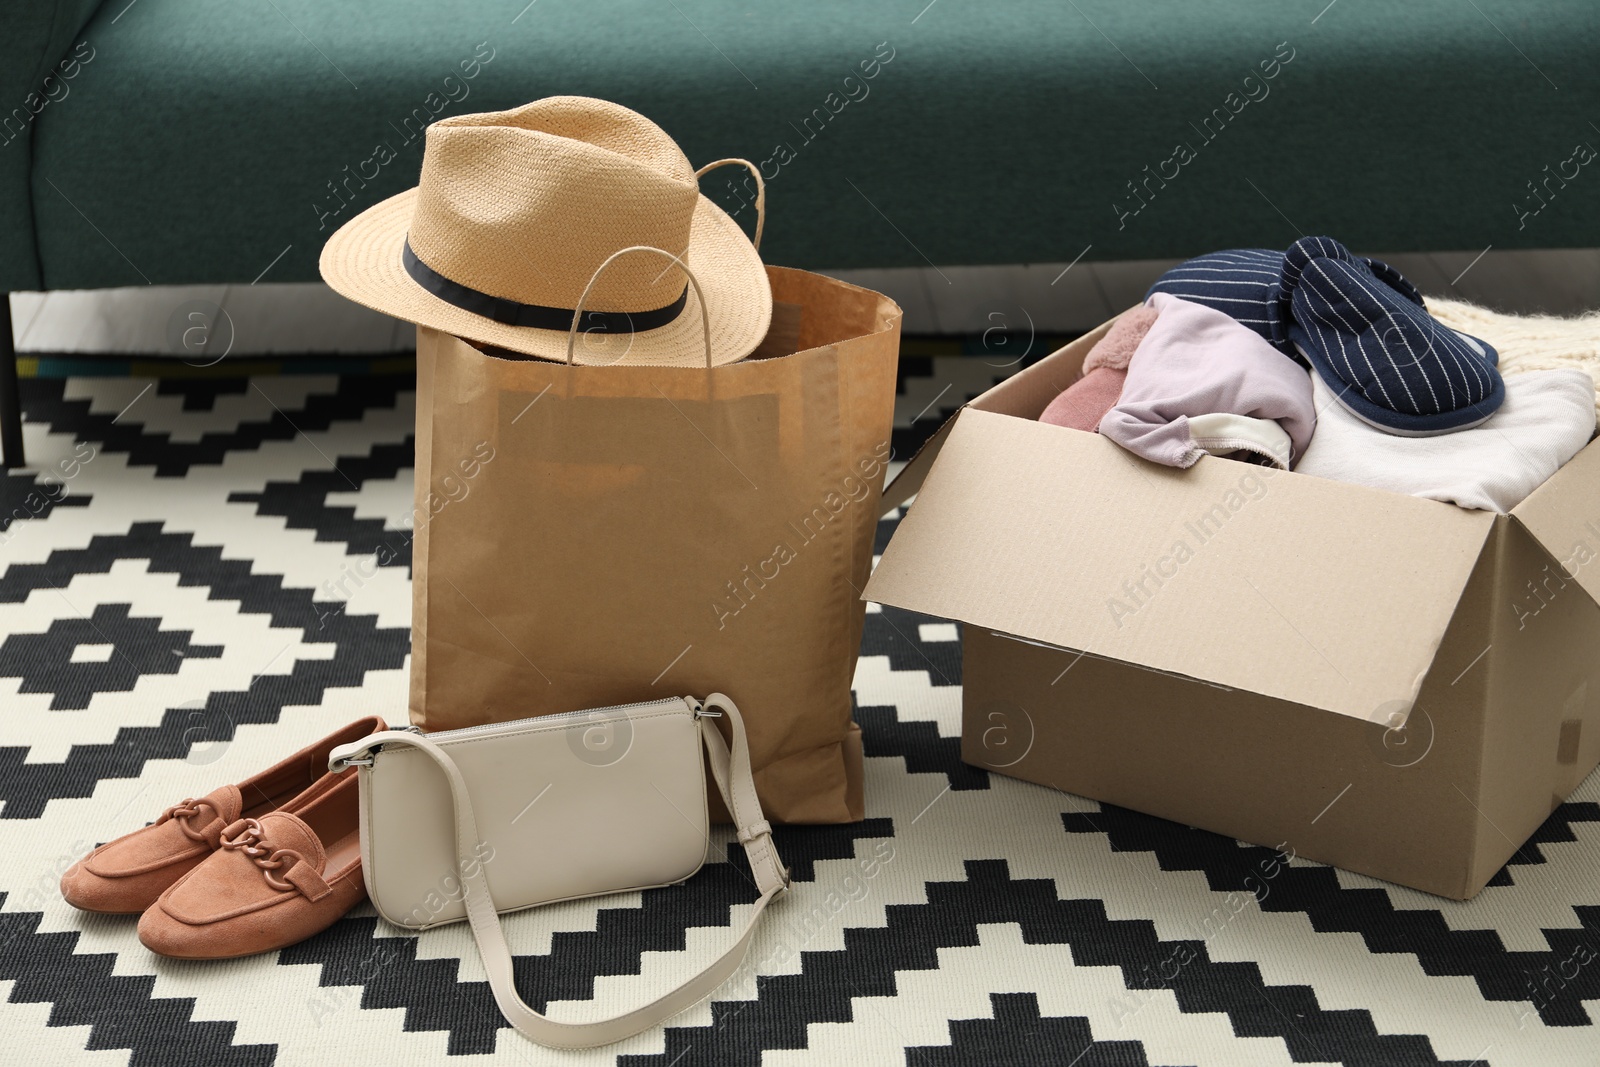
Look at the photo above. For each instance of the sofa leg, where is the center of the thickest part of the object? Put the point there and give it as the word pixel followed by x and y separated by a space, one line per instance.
pixel 10 395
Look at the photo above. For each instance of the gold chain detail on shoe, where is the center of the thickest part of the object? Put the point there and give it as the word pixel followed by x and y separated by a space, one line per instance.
pixel 245 836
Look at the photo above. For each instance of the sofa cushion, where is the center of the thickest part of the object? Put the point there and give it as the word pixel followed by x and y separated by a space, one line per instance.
pixel 41 56
pixel 210 137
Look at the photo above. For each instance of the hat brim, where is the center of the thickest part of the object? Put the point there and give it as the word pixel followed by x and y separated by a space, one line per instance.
pixel 362 261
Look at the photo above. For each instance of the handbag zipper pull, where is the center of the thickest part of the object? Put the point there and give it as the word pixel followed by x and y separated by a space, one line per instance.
pixel 365 760
pixel 700 710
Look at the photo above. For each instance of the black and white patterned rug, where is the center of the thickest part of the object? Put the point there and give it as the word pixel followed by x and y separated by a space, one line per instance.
pixel 187 592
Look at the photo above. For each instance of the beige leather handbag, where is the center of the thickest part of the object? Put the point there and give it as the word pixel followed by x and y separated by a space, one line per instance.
pixel 465 824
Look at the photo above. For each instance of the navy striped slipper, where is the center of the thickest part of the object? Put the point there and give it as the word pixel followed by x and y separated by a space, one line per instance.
pixel 1359 322
pixel 1247 284
pixel 1242 283
pixel 1387 360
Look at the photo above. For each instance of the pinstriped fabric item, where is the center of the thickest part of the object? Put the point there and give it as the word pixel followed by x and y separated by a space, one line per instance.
pixel 1252 284
pixel 1240 282
pixel 1386 359
pixel 1359 323
pixel 202 574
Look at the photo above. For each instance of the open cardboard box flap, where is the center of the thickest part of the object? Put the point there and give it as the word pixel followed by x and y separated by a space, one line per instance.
pixel 1566 528
pixel 1330 595
pixel 1024 394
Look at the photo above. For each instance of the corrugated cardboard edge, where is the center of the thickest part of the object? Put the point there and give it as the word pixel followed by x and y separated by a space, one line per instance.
pixel 1532 658
pixel 1273 772
pixel 1356 640
pixel 1554 514
pixel 1065 362
pixel 905 484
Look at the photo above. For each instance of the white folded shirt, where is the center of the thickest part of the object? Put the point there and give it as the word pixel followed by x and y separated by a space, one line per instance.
pixel 1547 417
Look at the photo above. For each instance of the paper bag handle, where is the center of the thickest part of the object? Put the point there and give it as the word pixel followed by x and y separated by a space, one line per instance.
pixel 699 297
pixel 761 192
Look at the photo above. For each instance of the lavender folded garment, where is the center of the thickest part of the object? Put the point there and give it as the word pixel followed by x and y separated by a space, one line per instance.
pixel 1197 361
pixel 1082 404
pixel 1547 416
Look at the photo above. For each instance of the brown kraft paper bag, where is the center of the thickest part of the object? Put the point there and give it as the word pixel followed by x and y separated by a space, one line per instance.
pixel 600 535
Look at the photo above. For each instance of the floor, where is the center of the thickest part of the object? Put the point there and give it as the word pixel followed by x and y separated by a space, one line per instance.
pixel 191 584
pixel 1068 297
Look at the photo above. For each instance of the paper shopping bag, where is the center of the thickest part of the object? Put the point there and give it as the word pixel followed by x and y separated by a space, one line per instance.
pixel 598 535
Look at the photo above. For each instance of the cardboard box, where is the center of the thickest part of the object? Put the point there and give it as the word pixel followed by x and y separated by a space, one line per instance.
pixel 1392 685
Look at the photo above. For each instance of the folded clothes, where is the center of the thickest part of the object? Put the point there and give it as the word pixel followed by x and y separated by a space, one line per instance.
pixel 1197 361
pixel 1359 323
pixel 1083 403
pixel 1529 342
pixel 1547 417
pixel 1116 348
pixel 1241 437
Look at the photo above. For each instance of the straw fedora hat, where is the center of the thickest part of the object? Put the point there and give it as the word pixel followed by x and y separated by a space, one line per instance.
pixel 517 210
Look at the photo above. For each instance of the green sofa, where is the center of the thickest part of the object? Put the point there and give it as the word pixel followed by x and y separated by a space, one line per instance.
pixel 221 141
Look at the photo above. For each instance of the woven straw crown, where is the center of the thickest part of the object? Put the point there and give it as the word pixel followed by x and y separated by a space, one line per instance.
pixel 526 204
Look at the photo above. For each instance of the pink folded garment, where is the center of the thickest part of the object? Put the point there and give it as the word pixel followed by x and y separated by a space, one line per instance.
pixel 1082 403
pixel 1116 348
pixel 1197 361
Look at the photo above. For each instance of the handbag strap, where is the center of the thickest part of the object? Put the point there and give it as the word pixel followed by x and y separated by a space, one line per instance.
pixel 730 769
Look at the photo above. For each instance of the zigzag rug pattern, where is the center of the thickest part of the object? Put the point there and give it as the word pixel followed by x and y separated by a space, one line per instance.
pixel 197 576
